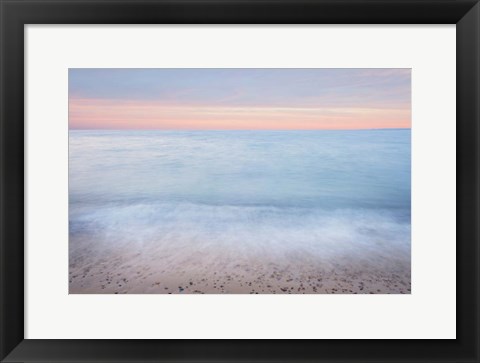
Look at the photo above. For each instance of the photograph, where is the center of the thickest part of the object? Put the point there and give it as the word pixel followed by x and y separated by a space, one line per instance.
pixel 239 180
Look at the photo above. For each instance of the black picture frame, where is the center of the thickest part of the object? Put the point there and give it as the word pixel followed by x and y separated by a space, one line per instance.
pixel 15 14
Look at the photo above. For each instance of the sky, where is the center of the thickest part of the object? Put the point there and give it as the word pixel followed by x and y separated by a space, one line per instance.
pixel 239 99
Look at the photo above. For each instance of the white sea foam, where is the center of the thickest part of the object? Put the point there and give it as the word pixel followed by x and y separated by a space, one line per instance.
pixel 271 233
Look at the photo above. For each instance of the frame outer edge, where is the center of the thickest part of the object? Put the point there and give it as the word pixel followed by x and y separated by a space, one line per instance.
pixel 468 178
pixel 11 179
pixel 11 170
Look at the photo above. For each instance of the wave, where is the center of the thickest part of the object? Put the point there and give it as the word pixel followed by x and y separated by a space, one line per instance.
pixel 262 231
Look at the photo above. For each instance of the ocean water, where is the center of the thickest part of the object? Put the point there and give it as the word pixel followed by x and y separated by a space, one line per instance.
pixel 286 197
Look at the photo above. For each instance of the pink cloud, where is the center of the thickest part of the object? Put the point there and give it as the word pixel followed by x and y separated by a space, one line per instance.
pixel 117 114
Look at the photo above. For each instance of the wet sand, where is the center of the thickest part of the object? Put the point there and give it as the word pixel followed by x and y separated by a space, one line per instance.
pixel 165 271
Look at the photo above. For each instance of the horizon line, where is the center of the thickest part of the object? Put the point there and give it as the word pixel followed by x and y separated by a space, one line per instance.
pixel 353 129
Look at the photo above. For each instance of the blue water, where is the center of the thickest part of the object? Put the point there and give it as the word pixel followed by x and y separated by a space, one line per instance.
pixel 286 189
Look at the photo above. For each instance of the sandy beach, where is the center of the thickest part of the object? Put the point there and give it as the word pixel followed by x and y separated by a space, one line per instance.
pixel 158 271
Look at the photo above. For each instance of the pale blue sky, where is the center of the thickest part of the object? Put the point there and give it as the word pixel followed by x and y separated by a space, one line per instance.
pixel 94 93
